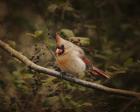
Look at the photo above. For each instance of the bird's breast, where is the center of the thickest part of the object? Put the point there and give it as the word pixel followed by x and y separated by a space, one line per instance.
pixel 71 64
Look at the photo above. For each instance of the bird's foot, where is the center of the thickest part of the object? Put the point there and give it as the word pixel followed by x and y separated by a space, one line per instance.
pixel 69 75
pixel 65 74
pixel 62 74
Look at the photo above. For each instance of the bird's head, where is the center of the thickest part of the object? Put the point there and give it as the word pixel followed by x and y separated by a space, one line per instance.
pixel 62 45
pixel 60 50
pixel 60 42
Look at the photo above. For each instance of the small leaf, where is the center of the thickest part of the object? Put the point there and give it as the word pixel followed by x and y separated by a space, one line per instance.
pixel 82 41
pixel 38 33
pixel 128 62
pixel 67 33
pixel 52 8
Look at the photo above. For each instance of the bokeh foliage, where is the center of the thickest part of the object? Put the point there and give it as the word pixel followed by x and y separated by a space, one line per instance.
pixel 113 28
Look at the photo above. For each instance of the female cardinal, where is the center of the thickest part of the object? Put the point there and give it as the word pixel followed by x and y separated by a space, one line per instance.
pixel 71 58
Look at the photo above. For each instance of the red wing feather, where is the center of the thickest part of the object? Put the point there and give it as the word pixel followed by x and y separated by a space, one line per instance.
pixel 86 60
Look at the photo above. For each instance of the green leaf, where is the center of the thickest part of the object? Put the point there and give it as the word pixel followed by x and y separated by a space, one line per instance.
pixel 67 33
pixel 128 62
pixel 38 33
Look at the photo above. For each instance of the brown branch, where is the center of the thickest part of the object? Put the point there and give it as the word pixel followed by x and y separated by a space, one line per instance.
pixel 84 83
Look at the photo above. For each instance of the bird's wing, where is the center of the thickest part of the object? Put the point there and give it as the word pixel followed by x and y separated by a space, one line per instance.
pixel 92 69
pixel 85 60
pixel 81 54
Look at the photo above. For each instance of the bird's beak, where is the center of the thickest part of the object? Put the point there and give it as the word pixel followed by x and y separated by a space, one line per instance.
pixel 58 51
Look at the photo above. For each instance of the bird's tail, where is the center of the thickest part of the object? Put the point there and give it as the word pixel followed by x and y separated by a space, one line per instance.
pixel 95 71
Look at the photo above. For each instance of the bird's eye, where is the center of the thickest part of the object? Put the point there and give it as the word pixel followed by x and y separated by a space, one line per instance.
pixel 62 46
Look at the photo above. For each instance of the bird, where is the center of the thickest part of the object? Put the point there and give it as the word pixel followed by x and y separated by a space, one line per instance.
pixel 71 58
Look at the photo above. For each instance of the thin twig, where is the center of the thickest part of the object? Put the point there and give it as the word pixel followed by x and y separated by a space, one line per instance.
pixel 51 72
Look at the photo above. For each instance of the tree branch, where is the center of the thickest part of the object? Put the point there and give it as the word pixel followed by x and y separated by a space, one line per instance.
pixel 84 83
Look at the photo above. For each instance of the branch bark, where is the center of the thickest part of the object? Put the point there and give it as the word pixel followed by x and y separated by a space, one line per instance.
pixel 51 72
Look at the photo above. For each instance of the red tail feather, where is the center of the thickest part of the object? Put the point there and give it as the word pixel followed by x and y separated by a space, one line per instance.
pixel 96 71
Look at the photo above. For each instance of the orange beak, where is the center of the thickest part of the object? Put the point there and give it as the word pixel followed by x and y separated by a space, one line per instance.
pixel 58 51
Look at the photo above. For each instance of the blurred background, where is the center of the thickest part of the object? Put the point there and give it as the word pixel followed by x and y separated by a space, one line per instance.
pixel 110 30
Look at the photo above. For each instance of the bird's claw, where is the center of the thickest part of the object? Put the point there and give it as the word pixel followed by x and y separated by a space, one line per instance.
pixel 62 74
pixel 65 74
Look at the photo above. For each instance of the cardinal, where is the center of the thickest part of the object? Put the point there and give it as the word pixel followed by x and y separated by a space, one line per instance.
pixel 71 58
